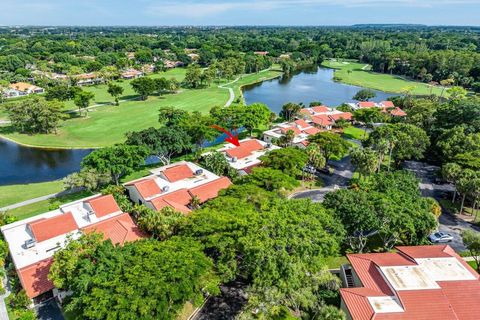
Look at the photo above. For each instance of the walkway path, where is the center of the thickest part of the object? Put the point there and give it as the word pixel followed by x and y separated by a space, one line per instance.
pixel 34 200
pixel 230 90
pixel 3 306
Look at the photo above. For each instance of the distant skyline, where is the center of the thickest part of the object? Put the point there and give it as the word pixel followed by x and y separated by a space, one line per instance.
pixel 238 12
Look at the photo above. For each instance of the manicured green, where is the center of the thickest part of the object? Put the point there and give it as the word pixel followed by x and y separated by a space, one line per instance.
pixel 355 133
pixel 11 194
pixel 107 125
pixel 251 79
pixel 102 96
pixel 352 73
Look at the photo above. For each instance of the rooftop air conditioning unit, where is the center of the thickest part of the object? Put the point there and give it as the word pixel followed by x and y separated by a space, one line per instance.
pixel 198 172
pixel 30 243
pixel 166 188
pixel 234 159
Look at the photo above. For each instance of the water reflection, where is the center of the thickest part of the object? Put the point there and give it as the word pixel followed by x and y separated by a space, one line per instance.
pixel 312 84
pixel 19 164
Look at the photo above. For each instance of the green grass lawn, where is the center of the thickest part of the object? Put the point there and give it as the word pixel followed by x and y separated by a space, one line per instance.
pixel 46 205
pixel 352 73
pixel 355 133
pixel 107 125
pixel 20 192
pixel 251 79
pixel 336 262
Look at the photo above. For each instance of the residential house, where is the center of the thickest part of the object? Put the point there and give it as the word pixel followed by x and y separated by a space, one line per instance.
pixel 148 68
pixel 20 89
pixel 86 79
pixel 416 282
pixel 386 106
pixel 169 64
pixel 32 242
pixel 245 157
pixel 261 53
pixel 194 56
pixel 301 129
pixel 324 117
pixel 131 74
pixel 175 186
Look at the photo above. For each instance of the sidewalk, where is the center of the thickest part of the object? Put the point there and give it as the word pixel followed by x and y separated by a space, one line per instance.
pixel 34 200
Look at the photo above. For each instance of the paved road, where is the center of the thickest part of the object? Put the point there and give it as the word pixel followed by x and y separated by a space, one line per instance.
pixel 447 222
pixel 225 306
pixel 342 173
pixel 3 307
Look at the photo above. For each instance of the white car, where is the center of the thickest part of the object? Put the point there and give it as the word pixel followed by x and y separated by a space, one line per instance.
pixel 440 237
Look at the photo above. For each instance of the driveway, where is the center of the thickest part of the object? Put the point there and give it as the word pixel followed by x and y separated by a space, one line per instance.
pixel 49 310
pixel 342 173
pixel 447 222
pixel 225 306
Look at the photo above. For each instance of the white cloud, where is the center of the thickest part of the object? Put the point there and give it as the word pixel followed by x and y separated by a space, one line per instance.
pixel 199 9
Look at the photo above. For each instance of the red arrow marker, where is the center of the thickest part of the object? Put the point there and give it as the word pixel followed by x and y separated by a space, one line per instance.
pixel 233 139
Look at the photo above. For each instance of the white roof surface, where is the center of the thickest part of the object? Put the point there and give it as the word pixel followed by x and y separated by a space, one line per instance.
pixel 251 160
pixel 445 269
pixel 408 278
pixel 385 304
pixel 18 232
pixel 188 183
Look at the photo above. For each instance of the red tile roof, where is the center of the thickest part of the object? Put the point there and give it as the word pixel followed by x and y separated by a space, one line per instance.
pixel 245 149
pixel 322 120
pixel 178 200
pixel 302 123
pixel 104 205
pixel 295 130
pixel 210 190
pixel 307 111
pixel 397 112
pixel 454 299
pixel 311 130
pixel 118 229
pixel 320 109
pixel 387 104
pixel 147 188
pixel 178 172
pixel 343 115
pixel 45 229
pixel 366 104
pixel 162 203
pixel 34 278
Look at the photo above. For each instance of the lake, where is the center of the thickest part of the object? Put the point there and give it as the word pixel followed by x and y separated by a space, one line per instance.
pixel 19 164
pixel 314 84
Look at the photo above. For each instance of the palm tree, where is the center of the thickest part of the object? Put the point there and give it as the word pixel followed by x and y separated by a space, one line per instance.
pixel 195 203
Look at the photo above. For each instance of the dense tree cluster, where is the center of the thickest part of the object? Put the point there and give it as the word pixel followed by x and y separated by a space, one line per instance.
pixel 132 281
pixel 447 55
pixel 387 206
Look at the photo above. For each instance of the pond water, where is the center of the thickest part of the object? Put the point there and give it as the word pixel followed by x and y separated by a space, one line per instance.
pixel 19 164
pixel 313 84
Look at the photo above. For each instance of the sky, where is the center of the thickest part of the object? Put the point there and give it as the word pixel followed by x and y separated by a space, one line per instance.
pixel 238 12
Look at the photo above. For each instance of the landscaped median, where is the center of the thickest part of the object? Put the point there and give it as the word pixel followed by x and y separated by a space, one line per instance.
pixel 359 74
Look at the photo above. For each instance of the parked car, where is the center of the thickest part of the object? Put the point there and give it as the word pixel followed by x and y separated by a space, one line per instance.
pixel 440 237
